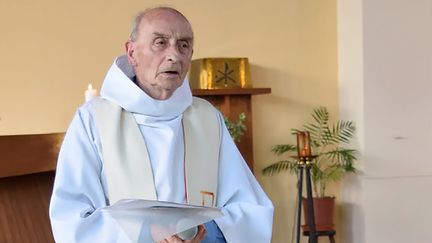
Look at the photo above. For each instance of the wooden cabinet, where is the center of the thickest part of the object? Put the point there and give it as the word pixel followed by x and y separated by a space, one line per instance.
pixel 232 102
pixel 27 164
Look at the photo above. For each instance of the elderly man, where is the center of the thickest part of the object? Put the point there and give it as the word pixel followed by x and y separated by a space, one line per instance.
pixel 147 137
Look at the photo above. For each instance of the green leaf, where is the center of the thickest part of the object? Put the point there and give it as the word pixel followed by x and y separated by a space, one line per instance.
pixel 236 129
pixel 280 166
pixel 343 131
pixel 283 148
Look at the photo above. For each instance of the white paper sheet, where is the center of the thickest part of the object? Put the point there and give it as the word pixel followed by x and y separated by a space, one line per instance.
pixel 152 221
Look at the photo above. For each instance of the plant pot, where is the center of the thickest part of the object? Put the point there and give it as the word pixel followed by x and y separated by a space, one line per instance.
pixel 323 213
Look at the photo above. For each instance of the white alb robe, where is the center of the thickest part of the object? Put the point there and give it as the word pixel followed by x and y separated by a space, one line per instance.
pixel 80 189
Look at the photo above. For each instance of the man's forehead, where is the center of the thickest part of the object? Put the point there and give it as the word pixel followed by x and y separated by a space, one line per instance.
pixel 164 13
pixel 166 22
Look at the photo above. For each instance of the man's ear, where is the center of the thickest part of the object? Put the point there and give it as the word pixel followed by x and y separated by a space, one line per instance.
pixel 130 48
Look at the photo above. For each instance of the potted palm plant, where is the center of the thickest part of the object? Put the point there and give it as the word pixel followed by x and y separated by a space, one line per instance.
pixel 329 142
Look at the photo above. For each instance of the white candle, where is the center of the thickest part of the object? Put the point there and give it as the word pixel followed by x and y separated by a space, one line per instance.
pixel 90 93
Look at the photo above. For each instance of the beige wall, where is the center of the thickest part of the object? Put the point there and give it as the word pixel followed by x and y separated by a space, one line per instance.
pixel 50 50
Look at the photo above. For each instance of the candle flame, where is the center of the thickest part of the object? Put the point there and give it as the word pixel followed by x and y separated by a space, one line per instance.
pixel 89 87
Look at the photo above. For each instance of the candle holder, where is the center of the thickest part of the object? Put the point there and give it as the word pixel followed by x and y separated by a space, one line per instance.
pixel 304 163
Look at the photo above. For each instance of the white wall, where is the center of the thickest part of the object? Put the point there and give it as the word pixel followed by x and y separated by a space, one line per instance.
pixel 350 58
pixel 385 85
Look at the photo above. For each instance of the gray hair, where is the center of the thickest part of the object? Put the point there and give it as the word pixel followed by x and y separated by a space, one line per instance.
pixel 137 20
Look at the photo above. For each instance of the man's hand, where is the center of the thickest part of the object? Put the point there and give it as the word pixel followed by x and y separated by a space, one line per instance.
pixel 197 239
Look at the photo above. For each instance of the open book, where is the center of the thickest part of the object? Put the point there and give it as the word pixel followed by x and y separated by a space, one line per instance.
pixel 152 221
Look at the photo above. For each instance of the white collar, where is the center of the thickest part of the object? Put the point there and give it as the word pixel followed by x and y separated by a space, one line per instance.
pixel 119 88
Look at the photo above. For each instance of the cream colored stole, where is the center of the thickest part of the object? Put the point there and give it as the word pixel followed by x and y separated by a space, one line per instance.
pixel 127 166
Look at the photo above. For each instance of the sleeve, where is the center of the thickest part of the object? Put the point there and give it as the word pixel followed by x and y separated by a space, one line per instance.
pixel 247 209
pixel 78 193
pixel 213 234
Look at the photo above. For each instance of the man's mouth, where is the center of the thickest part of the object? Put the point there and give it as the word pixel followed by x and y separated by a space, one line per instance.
pixel 170 72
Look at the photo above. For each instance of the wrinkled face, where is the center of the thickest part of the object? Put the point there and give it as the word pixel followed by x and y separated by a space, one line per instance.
pixel 161 53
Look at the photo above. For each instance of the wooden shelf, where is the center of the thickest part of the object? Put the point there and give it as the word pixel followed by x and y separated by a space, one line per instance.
pixel 234 91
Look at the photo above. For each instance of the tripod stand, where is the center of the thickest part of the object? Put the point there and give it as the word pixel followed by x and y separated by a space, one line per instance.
pixel 304 164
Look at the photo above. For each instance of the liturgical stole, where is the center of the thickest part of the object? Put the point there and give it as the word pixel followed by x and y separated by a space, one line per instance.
pixel 127 165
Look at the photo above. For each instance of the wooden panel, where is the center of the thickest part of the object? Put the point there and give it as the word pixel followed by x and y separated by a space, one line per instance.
pixel 24 199
pixel 231 107
pixel 24 204
pixel 231 91
pixel 231 102
pixel 26 154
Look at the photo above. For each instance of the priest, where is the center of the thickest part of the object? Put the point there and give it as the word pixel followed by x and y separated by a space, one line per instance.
pixel 147 137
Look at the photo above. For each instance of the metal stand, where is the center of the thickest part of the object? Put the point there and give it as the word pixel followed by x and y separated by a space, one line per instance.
pixel 305 164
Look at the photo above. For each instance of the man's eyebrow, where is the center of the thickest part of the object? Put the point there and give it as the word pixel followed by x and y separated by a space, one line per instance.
pixel 186 38
pixel 157 34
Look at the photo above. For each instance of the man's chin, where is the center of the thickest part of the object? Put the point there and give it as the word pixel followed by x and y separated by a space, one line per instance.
pixel 170 84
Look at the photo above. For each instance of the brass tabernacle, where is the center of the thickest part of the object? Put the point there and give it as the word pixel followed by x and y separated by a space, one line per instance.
pixel 220 73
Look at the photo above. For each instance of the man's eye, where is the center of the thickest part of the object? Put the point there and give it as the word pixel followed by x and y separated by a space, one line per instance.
pixel 160 42
pixel 184 45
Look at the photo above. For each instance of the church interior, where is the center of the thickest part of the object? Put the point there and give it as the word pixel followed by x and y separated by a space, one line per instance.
pixel 366 61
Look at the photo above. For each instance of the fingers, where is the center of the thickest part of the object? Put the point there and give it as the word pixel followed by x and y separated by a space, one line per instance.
pixel 201 232
pixel 197 239
pixel 174 239
pixel 200 235
pixel 163 241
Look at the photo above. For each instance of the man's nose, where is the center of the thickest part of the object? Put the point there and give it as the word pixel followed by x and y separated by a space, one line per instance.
pixel 173 54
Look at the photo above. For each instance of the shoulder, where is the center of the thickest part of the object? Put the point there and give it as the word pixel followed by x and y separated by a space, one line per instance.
pixel 96 107
pixel 83 120
pixel 101 103
pixel 87 113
